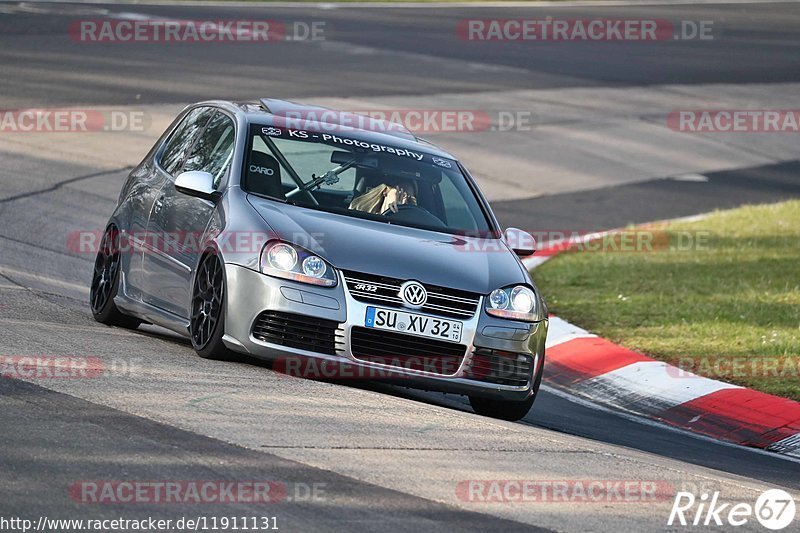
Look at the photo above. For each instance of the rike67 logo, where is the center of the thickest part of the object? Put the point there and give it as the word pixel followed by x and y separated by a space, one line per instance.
pixel 774 509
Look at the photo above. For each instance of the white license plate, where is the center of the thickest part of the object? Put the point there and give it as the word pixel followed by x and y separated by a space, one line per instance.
pixel 424 326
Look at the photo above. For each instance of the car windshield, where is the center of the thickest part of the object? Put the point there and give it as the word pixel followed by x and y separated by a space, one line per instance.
pixel 340 174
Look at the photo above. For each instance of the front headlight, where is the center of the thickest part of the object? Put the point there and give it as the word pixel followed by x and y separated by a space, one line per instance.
pixel 289 261
pixel 516 303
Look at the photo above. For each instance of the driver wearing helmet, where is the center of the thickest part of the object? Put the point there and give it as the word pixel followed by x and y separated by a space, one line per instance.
pixel 383 198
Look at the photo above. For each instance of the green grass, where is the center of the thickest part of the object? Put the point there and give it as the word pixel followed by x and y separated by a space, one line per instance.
pixel 728 308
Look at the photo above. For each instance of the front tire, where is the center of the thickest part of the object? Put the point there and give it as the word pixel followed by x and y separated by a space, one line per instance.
pixel 105 283
pixel 501 409
pixel 508 409
pixel 207 325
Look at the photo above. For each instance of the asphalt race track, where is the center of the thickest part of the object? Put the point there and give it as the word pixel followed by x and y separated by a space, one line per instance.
pixel 386 458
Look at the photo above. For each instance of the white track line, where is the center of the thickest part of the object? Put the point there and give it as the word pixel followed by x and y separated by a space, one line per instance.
pixel 636 383
pixel 561 331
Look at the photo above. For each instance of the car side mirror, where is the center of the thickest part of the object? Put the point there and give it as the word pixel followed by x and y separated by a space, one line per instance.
pixel 197 183
pixel 521 242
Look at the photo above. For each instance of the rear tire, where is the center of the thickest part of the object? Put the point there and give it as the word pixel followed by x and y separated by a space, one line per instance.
pixel 105 283
pixel 207 324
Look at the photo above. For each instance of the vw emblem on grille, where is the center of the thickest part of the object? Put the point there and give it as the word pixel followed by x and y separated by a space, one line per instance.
pixel 413 293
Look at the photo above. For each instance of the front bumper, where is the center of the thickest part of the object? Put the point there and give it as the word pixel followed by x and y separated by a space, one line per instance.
pixel 251 293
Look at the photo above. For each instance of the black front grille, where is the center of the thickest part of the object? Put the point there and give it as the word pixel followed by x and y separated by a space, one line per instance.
pixel 385 291
pixel 500 368
pixel 297 331
pixel 406 351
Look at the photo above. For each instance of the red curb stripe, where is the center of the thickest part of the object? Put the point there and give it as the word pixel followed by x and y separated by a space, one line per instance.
pixel 592 356
pixel 745 416
pixel 558 374
pixel 719 427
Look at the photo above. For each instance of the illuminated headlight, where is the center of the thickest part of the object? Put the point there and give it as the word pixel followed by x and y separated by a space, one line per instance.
pixel 516 303
pixel 282 257
pixel 288 261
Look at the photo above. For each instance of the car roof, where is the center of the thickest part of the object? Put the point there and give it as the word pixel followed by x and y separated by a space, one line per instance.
pixel 346 123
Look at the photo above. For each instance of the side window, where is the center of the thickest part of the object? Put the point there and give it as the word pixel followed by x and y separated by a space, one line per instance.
pixel 178 145
pixel 213 151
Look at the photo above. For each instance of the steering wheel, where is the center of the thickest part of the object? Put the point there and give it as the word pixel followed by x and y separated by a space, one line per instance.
pixel 415 215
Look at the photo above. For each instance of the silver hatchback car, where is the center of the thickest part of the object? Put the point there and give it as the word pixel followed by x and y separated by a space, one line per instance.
pixel 332 244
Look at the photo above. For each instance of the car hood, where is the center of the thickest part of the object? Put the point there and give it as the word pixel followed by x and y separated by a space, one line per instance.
pixel 349 243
